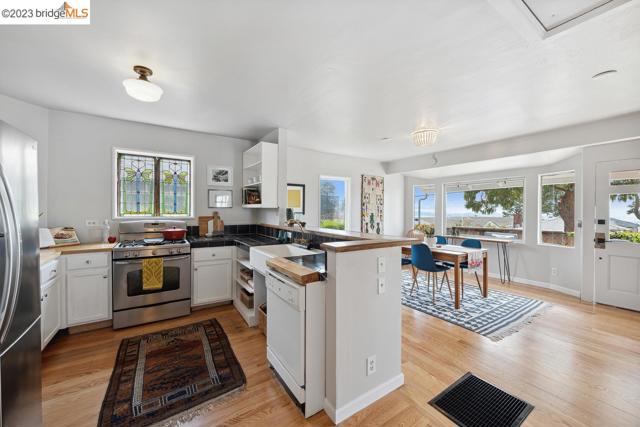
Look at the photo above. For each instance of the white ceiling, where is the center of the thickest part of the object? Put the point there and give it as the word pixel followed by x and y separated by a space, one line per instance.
pixel 340 75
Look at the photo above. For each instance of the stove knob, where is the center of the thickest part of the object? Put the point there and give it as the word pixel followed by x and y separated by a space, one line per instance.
pixel 172 251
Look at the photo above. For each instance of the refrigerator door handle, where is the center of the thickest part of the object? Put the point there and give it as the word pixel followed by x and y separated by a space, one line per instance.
pixel 13 259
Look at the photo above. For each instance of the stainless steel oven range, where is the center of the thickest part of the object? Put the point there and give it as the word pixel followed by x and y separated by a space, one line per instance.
pixel 134 300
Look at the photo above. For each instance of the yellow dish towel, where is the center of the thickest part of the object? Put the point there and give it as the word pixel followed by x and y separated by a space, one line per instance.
pixel 152 274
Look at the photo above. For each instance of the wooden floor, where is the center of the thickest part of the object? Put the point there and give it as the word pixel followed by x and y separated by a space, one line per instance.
pixel 576 366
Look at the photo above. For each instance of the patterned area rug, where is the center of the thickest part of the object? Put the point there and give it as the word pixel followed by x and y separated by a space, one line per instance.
pixel 159 376
pixel 496 317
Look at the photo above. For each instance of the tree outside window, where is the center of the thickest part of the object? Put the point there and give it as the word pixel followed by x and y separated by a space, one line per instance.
pixel 557 209
pixel 334 198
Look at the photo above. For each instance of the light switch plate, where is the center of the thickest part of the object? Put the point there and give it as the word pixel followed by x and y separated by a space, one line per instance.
pixel 91 223
pixel 381 264
pixel 382 287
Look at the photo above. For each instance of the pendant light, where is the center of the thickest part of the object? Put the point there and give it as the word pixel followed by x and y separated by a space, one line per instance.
pixel 141 88
pixel 424 137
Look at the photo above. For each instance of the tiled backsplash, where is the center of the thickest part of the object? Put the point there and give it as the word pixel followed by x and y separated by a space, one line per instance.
pixel 273 232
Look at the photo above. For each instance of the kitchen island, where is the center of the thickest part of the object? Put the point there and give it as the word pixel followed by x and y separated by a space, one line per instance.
pixel 362 316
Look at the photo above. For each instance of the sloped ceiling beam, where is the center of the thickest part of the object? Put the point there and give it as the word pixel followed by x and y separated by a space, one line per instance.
pixel 615 129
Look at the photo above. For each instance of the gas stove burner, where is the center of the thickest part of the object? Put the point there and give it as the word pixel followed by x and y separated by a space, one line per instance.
pixel 129 244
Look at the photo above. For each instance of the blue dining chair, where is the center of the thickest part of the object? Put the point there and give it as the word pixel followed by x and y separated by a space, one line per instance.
pixel 414 234
pixel 441 240
pixel 422 260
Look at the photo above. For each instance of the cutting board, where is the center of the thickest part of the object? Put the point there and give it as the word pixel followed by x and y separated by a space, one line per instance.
pixel 203 224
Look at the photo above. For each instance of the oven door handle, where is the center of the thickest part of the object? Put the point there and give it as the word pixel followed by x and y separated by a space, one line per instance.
pixel 139 261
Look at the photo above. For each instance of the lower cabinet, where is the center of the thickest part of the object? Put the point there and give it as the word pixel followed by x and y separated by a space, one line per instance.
pixel 50 306
pixel 212 281
pixel 88 296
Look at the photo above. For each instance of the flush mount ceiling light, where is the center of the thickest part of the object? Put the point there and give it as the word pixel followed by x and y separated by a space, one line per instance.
pixel 141 88
pixel 424 137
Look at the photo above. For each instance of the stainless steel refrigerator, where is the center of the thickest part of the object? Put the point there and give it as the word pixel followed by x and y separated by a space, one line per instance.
pixel 20 386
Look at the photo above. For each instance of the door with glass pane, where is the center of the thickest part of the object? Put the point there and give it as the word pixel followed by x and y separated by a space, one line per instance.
pixel 617 240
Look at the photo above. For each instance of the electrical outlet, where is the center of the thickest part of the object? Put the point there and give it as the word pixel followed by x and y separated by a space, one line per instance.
pixel 554 271
pixel 381 264
pixel 381 286
pixel 371 365
pixel 91 223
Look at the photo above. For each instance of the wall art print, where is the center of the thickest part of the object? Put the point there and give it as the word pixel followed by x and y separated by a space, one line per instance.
pixel 372 204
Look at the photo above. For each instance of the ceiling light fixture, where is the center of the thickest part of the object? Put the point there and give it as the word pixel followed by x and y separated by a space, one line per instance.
pixel 603 73
pixel 141 88
pixel 424 137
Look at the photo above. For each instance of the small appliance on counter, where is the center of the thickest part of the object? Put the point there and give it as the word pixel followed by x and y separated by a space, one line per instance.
pixel 211 225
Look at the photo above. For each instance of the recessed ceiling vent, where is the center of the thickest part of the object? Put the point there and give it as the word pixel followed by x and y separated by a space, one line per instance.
pixel 552 14
pixel 549 17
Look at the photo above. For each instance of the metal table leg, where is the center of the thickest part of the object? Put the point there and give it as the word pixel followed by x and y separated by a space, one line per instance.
pixel 499 263
pixel 507 267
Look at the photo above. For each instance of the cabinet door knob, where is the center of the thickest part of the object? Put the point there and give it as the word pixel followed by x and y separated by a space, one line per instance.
pixel 41 299
pixel 46 295
pixel 195 269
pixel 213 254
pixel 54 271
pixel 88 261
pixel 105 277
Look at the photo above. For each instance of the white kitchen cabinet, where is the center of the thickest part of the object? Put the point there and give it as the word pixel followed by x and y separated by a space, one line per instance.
pixel 88 295
pixel 260 175
pixel 51 308
pixel 212 281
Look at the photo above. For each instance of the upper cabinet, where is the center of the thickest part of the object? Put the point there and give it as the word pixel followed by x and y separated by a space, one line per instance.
pixel 260 176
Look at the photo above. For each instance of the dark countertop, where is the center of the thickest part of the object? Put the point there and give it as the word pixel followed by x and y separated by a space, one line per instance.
pixel 246 240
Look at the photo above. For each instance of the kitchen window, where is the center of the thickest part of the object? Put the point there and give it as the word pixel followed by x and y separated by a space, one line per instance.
pixel 334 203
pixel 152 185
pixel 424 204
pixel 492 208
pixel 556 220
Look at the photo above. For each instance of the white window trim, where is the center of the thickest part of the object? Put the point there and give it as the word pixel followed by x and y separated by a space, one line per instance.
pixel 432 189
pixel 347 199
pixel 114 183
pixel 538 225
pixel 524 201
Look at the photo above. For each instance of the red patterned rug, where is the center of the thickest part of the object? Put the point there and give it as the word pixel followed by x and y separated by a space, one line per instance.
pixel 158 376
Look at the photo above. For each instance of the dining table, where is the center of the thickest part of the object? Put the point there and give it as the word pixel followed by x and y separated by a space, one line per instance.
pixel 456 255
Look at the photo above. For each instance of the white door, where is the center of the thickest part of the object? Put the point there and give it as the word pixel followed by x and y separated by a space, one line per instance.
pixel 617 263
pixel 88 296
pixel 212 282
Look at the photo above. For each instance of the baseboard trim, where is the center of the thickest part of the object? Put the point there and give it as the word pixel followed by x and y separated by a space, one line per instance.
pixel 545 285
pixel 340 414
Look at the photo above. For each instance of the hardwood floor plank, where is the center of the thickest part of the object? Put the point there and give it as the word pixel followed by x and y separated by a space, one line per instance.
pixel 576 365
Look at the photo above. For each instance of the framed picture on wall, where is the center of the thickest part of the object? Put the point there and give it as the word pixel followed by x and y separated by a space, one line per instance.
pixel 220 199
pixel 295 198
pixel 220 176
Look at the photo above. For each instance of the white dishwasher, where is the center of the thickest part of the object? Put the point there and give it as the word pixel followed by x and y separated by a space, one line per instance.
pixel 295 338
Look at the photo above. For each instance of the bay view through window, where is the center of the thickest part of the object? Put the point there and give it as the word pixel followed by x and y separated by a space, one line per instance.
pixel 492 207
pixel 424 204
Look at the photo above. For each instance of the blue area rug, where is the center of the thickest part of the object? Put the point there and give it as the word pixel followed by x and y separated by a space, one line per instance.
pixel 496 317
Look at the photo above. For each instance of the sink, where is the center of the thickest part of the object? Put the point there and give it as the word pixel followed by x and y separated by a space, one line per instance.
pixel 258 255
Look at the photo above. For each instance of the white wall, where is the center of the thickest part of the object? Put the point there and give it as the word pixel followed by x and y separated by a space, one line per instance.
pixel 80 166
pixel 34 121
pixel 530 262
pixel 306 166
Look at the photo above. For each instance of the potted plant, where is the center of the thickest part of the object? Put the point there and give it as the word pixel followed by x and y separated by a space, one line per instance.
pixel 429 232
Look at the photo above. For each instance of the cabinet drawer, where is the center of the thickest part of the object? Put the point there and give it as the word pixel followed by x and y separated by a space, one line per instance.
pixel 208 254
pixel 90 260
pixel 48 271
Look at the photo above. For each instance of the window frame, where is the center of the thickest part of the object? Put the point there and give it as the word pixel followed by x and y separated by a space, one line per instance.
pixel 347 200
pixel 114 183
pixel 432 189
pixel 523 178
pixel 539 212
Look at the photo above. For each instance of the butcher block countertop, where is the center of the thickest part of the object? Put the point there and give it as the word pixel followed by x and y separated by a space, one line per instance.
pixel 85 248
pixel 47 255
pixel 353 240
pixel 298 273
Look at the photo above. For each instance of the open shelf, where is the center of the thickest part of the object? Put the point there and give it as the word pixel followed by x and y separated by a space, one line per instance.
pixel 245 263
pixel 253 165
pixel 248 314
pixel 253 185
pixel 246 286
